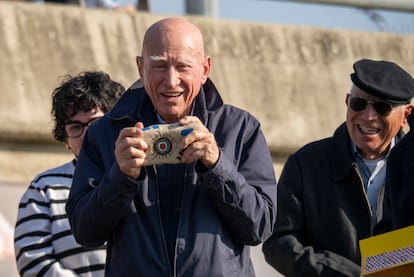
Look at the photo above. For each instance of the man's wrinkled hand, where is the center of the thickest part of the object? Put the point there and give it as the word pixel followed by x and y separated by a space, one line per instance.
pixel 199 145
pixel 130 150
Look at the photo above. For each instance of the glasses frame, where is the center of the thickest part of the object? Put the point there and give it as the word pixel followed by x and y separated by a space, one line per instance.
pixel 375 104
pixel 87 124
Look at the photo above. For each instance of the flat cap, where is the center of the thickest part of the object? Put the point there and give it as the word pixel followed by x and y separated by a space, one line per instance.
pixel 384 79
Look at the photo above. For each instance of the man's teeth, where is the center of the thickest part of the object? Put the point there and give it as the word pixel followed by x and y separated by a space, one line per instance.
pixel 368 130
pixel 172 94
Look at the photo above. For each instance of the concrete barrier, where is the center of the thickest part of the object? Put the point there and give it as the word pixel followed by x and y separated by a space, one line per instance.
pixel 293 79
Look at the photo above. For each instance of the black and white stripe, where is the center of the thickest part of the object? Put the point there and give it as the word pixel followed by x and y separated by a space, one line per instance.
pixel 44 244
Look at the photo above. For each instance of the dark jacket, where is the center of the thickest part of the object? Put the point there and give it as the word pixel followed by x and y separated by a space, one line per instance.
pixel 323 211
pixel 399 192
pixel 223 210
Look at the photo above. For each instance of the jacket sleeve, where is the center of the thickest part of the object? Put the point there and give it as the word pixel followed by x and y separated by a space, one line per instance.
pixel 285 250
pixel 33 237
pixel 245 194
pixel 400 173
pixel 98 200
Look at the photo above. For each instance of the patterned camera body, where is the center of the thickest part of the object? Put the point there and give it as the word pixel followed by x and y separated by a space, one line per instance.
pixel 163 142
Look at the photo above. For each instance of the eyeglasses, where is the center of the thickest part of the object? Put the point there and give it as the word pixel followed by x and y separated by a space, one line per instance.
pixel 382 108
pixel 75 129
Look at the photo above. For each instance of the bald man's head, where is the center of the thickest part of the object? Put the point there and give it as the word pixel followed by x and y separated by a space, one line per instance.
pixel 164 32
pixel 173 66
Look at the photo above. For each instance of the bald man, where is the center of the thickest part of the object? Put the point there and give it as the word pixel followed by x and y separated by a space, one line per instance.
pixel 196 215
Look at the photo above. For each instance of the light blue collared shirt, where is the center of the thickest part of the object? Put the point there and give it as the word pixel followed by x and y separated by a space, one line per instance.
pixel 373 174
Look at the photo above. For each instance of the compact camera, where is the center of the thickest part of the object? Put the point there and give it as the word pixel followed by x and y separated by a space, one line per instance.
pixel 163 141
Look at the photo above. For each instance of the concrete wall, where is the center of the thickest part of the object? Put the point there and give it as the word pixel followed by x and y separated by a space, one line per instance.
pixel 293 79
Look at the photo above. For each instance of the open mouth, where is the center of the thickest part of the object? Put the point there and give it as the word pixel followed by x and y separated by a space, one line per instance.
pixel 368 130
pixel 171 94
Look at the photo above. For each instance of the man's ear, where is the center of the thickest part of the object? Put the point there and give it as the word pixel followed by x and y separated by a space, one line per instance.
pixel 347 99
pixel 140 65
pixel 206 69
pixel 408 109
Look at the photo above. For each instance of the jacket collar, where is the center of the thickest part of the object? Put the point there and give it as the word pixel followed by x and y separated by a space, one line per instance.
pixel 341 153
pixel 135 104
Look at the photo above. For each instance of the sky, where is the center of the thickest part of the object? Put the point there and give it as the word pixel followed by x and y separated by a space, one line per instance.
pixel 285 12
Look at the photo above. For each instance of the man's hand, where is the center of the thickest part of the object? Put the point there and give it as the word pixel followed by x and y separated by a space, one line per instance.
pixel 200 144
pixel 130 150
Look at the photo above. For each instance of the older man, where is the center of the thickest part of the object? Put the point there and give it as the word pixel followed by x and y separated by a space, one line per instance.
pixel 195 217
pixel 330 191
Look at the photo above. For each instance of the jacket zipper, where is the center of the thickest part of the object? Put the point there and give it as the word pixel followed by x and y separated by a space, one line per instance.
pixel 179 220
pixel 154 167
pixel 361 183
pixel 380 203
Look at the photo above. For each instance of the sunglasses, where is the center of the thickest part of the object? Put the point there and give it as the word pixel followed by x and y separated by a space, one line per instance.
pixel 382 108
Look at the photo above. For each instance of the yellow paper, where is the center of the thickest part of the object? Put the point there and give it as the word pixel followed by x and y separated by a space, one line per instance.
pixel 389 254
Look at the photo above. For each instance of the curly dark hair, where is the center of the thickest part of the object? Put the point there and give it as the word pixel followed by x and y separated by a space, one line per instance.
pixel 82 93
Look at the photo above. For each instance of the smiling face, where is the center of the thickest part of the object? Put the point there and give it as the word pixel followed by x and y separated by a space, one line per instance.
pixel 173 67
pixel 371 132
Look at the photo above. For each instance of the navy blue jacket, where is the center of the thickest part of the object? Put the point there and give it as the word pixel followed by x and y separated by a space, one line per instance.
pixel 224 210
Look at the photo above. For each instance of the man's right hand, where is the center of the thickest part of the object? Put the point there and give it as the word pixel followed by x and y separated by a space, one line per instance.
pixel 130 150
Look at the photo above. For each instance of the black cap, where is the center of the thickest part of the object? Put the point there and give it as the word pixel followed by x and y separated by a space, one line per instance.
pixel 383 79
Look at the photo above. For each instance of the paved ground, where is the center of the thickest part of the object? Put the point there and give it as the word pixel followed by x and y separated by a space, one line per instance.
pixel 10 195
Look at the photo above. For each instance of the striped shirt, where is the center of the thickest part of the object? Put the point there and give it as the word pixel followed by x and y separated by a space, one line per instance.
pixel 43 242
